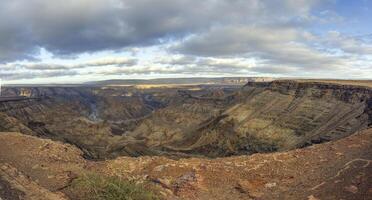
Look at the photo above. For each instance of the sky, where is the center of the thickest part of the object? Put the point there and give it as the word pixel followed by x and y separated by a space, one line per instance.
pixel 74 41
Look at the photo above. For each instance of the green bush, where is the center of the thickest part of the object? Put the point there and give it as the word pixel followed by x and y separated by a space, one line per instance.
pixel 96 187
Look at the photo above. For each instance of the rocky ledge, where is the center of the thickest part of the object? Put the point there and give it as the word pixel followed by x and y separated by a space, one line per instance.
pixel 336 170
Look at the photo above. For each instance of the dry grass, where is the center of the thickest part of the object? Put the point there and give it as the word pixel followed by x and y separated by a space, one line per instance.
pixel 96 187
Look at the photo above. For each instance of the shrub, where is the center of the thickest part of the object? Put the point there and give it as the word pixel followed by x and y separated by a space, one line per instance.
pixel 96 187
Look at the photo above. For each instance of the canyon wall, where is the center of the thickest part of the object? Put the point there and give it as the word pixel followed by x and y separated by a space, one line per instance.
pixel 259 117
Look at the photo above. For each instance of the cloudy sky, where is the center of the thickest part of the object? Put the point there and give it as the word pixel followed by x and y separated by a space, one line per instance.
pixel 71 41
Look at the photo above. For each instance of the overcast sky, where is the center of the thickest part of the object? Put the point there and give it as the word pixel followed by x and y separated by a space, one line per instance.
pixel 71 41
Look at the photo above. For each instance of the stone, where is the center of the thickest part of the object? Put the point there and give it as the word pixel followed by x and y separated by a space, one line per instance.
pixel 159 168
pixel 352 188
pixel 311 197
pixel 188 177
pixel 164 182
pixel 270 185
pixel 249 188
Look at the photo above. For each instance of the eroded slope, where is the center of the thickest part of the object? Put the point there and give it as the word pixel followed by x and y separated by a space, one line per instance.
pixel 334 170
pixel 210 121
pixel 89 118
pixel 262 117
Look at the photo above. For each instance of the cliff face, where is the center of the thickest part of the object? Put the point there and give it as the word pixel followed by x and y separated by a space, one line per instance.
pixel 94 103
pixel 213 122
pixel 9 110
pixel 344 93
pixel 90 118
pixel 311 108
pixel 280 115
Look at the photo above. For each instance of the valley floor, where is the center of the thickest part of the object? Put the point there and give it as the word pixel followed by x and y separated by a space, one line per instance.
pixel 34 168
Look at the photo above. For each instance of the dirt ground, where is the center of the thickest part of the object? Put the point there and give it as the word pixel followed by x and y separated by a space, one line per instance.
pixel 336 170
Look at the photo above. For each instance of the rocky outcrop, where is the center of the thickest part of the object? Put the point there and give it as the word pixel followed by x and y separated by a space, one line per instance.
pixel 89 118
pixel 211 121
pixel 51 164
pixel 277 116
pixel 22 187
pixel 159 125
pixel 336 170
pixel 345 93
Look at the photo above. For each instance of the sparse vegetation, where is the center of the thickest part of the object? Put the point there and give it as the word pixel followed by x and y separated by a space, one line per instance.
pixel 97 187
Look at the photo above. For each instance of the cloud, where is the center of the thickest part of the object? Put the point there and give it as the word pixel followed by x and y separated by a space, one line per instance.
pixel 234 40
pixel 42 66
pixel 281 70
pixel 16 71
pixel 283 46
pixel 185 65
pixel 349 44
pixel 102 62
pixel 77 26
pixel 38 74
pixel 193 37
pixel 110 61
pixel 177 60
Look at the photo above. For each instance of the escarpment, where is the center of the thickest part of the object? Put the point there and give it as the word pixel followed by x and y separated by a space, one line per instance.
pixel 281 115
pixel 88 118
pixel 106 122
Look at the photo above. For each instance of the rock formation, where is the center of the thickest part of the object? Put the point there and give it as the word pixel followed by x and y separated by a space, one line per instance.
pixel 212 121
pixel 267 140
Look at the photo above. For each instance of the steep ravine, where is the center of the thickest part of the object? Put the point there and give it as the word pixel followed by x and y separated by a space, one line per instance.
pixel 88 118
pixel 281 115
pixel 260 117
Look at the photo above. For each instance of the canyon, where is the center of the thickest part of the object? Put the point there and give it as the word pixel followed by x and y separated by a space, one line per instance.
pixel 194 139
